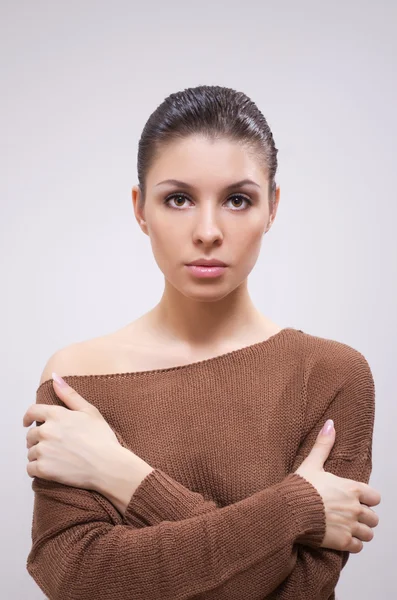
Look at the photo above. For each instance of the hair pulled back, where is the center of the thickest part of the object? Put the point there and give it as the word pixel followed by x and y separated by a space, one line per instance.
pixel 215 112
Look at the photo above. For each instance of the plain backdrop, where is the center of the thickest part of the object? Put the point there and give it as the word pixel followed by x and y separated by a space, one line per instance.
pixel 79 79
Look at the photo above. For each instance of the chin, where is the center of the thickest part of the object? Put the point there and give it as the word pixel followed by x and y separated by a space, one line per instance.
pixel 207 291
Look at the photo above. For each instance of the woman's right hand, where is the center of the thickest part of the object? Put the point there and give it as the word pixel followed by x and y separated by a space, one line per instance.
pixel 349 520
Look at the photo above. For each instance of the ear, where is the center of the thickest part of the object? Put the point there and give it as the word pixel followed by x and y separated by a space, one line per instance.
pixel 275 204
pixel 138 208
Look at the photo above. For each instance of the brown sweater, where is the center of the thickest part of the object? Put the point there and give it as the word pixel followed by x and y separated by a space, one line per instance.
pixel 223 515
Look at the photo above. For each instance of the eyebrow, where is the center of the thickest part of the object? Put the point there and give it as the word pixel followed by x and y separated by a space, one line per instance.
pixel 188 186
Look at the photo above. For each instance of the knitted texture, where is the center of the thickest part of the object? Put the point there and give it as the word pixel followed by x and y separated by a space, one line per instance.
pixel 223 515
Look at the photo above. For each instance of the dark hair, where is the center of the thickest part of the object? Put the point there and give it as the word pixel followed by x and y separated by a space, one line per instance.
pixel 215 112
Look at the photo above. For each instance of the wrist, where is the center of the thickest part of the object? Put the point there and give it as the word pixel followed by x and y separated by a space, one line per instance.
pixel 123 473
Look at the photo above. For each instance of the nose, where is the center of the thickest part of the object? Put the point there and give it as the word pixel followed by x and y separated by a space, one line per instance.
pixel 207 229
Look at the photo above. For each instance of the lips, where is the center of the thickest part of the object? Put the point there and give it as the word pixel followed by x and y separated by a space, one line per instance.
pixel 202 262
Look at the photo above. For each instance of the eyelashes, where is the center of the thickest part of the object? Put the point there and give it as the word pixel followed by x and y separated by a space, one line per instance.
pixel 185 197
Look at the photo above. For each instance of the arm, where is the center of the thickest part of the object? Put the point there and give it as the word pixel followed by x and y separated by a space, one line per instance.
pixel 310 572
pixel 316 571
pixel 83 548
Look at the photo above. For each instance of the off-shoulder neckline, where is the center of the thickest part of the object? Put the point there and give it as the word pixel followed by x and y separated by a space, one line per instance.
pixel 267 343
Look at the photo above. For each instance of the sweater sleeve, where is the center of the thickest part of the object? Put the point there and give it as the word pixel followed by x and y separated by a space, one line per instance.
pixel 316 571
pixel 82 548
pixel 311 572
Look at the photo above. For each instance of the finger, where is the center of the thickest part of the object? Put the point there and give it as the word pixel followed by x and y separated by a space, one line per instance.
pixel 321 448
pixel 36 412
pixel 33 452
pixel 69 396
pixel 369 517
pixel 33 436
pixel 39 468
pixel 363 532
pixel 41 412
pixel 355 546
pixel 31 469
pixel 368 495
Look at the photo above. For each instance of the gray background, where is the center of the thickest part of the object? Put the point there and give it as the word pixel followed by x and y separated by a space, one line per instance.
pixel 79 80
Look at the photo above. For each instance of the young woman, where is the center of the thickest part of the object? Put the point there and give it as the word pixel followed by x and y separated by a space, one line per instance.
pixel 183 455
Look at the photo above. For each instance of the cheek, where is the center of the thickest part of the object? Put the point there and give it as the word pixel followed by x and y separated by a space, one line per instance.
pixel 247 239
pixel 165 243
pixel 246 248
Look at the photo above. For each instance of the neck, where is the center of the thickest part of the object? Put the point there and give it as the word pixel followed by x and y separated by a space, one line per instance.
pixel 198 323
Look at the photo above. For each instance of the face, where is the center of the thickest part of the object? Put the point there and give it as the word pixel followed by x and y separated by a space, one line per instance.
pixel 208 216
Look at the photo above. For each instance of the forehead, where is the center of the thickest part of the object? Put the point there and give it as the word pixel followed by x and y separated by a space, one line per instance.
pixel 198 159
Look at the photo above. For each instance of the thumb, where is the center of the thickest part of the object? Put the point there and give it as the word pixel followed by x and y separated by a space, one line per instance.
pixel 322 446
pixel 69 396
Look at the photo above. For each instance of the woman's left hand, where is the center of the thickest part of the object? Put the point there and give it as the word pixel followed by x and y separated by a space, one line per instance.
pixel 73 445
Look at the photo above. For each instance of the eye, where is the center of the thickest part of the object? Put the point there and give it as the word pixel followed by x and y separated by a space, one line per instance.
pixel 172 196
pixel 241 197
pixel 184 197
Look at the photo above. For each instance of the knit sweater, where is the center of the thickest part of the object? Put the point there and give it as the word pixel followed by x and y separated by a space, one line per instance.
pixel 223 515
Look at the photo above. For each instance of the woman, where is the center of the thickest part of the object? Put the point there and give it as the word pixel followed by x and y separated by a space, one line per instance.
pixel 183 457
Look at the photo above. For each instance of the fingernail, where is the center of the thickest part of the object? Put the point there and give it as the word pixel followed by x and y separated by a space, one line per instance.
pixel 327 429
pixel 59 380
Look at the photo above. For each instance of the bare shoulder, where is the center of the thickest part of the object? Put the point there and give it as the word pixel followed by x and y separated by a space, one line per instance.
pixel 68 360
pixel 88 357
pixel 134 347
pixel 109 353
